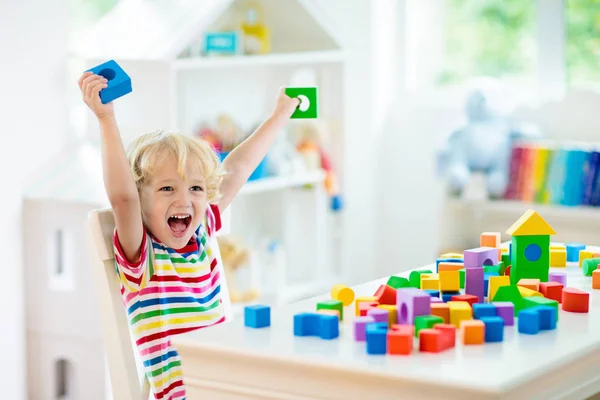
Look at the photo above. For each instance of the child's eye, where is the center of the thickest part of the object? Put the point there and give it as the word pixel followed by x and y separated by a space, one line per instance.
pixel 196 188
pixel 166 189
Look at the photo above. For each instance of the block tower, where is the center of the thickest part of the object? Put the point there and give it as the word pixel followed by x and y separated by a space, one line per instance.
pixel 530 248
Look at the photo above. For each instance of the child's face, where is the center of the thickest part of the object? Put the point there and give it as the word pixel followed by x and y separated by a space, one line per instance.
pixel 172 208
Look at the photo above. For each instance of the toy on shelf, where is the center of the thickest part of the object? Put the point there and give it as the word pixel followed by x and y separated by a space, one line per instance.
pixel 235 256
pixel 119 83
pixel 256 35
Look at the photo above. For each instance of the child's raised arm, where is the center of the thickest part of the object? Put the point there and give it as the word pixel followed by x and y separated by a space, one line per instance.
pixel 244 159
pixel 118 182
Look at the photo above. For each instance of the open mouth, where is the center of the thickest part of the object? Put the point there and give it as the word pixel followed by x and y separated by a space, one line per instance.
pixel 179 224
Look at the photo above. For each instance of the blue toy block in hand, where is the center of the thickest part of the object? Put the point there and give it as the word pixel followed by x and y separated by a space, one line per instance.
pixel 119 83
pixel 257 316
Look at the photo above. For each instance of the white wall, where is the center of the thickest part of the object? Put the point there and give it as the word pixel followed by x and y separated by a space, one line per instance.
pixel 33 119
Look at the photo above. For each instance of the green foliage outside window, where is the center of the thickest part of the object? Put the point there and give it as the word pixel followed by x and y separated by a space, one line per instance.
pixel 583 42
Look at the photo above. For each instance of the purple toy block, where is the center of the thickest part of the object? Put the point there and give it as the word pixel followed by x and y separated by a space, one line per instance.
pixel 474 283
pixel 436 300
pixel 379 314
pixel 360 327
pixel 480 256
pixel 411 303
pixel 506 311
pixel 560 277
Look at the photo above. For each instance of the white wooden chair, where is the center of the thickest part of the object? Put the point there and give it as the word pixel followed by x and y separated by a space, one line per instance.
pixel 124 377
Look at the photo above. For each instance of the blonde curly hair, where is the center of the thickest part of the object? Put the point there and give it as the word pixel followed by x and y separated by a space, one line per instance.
pixel 146 152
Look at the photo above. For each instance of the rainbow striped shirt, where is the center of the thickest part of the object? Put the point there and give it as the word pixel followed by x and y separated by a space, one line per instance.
pixel 168 292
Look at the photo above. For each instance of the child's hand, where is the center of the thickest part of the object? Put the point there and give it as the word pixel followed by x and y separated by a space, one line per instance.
pixel 91 85
pixel 285 105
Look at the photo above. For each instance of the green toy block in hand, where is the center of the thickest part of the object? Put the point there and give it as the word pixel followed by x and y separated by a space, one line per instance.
pixel 309 106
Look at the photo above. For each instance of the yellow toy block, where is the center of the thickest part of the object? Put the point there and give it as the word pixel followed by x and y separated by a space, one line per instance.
pixel 530 224
pixel 392 312
pixel 558 258
pixel 533 284
pixel 449 281
pixel 584 255
pixel 359 300
pixel 342 293
pixel 525 292
pixel 557 246
pixel 430 283
pixel 452 255
pixel 459 311
pixel 495 283
pixel 472 332
pixel 595 279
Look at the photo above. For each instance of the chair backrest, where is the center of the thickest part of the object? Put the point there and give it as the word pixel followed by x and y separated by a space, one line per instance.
pixel 122 366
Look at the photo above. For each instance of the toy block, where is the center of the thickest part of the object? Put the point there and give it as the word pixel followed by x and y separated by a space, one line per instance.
pixel 400 339
pixel 472 331
pixel 462 275
pixel 415 277
pixel 376 334
pixel 459 311
pixel 332 305
pixel 329 312
pixel 449 281
pixel 329 327
pixel 448 334
pixel 411 303
pixel 436 300
pixel 509 293
pixel 558 258
pixel 506 311
pixel 474 283
pixel 528 321
pixel 433 341
pixel 432 293
pixel 573 250
pixel 478 257
pixel 481 310
pixel 534 302
pixel 441 310
pixel 309 106
pixel 452 255
pixel 575 300
pixel 589 266
pixel 430 282
pixel 257 316
pixel 465 297
pixel 548 316
pixel 505 260
pixel 392 312
pixel 450 266
pixel 398 282
pixel 528 292
pixel 379 315
pixel 360 326
pixel 364 307
pixel 447 260
pixel 494 329
pixel 491 239
pixel 342 293
pixel 596 279
pixel 314 324
pixel 584 255
pixel 507 271
pixel 385 295
pixel 119 83
pixel 533 284
pixel 358 300
pixel 557 246
pixel 446 297
pixel 486 281
pixel 497 269
pixel 426 322
pixel 530 258
pixel 552 290
pixel 496 282
pixel 530 224
pixel 559 277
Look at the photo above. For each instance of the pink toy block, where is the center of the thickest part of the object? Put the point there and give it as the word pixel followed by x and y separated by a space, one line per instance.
pixel 560 277
pixel 379 314
pixel 480 256
pixel 506 311
pixel 474 283
pixel 360 327
pixel 436 300
pixel 412 303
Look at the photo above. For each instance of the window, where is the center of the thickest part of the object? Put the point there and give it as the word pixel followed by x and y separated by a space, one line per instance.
pixel 583 42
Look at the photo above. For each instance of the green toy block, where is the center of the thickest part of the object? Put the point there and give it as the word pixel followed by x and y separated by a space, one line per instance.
pixel 415 277
pixel 533 301
pixel 426 322
pixel 510 293
pixel 309 105
pixel 498 268
pixel 530 258
pixel 332 305
pixel 461 276
pixel 589 265
pixel 397 282
pixel 506 259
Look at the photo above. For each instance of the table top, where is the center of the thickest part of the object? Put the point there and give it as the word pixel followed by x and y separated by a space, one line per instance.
pixel 492 367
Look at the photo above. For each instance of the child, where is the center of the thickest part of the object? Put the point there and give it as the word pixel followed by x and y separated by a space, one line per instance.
pixel 166 198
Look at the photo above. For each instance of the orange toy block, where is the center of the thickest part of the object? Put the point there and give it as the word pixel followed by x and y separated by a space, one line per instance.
pixel 449 281
pixel 441 310
pixel 459 311
pixel 575 300
pixel 449 331
pixel 596 279
pixel 491 239
pixel 495 283
pixel 430 282
pixel 385 295
pixel 366 306
pixel 362 299
pixel 469 298
pixel 525 292
pixel 558 258
pixel 472 331
pixel 552 290
pixel 342 293
pixel 329 312
pixel 392 312
pixel 533 284
pixel 584 255
pixel 433 340
pixel 450 266
pixel 400 339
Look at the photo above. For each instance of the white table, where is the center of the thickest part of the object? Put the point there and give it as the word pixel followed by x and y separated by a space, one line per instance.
pixel 231 361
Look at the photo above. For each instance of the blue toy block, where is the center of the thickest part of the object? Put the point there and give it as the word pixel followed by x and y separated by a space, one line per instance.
pixel 257 316
pixel 453 260
pixel 447 296
pixel 376 333
pixel 529 321
pixel 315 324
pixel 486 280
pixel 433 293
pixel 573 250
pixel 119 83
pixel 337 203
pixel 481 310
pixel 329 326
pixel 548 316
pixel 494 328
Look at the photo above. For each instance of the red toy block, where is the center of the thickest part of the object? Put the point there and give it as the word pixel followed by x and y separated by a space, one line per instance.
pixel 449 332
pixel 431 340
pixel 507 271
pixel 575 300
pixel 552 290
pixel 366 306
pixel 385 295
pixel 400 339
pixel 469 298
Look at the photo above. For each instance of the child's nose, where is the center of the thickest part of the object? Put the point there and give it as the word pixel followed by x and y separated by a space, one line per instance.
pixel 184 199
